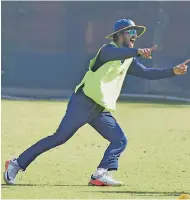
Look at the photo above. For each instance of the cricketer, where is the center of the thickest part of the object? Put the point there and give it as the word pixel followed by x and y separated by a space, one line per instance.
pixel 95 98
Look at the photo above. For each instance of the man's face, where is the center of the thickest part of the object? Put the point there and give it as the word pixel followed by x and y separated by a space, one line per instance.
pixel 129 37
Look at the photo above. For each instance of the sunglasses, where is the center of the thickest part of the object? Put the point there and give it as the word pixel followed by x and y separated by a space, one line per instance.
pixel 131 32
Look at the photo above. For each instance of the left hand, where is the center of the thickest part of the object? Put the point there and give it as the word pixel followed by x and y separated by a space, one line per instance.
pixel 181 68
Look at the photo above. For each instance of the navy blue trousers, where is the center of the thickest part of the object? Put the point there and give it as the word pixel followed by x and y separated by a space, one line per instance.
pixel 81 110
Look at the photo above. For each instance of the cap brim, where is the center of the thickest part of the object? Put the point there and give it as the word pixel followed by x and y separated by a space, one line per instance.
pixel 140 31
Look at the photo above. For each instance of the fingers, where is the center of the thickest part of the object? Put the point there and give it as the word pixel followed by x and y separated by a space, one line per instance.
pixel 153 48
pixel 146 52
pixel 184 63
pixel 183 66
pixel 183 69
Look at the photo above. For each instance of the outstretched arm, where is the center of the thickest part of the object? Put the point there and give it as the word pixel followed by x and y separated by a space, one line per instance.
pixel 139 70
pixel 111 53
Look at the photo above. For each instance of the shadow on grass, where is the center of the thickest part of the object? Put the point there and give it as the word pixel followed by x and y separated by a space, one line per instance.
pixel 41 185
pixel 135 193
pixel 142 193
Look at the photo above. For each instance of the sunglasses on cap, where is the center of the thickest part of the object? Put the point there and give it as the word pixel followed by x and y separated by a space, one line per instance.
pixel 131 32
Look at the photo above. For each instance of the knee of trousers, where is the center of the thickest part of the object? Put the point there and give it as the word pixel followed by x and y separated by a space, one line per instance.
pixel 120 143
pixel 59 138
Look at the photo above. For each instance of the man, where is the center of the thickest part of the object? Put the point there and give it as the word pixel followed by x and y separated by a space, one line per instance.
pixel 95 97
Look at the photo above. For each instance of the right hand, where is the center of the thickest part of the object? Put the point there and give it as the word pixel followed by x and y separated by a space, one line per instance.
pixel 146 52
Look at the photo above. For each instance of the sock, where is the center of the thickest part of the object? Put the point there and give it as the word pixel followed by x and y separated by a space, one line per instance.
pixel 99 171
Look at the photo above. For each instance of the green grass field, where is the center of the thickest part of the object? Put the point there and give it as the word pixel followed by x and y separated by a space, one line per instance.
pixel 156 163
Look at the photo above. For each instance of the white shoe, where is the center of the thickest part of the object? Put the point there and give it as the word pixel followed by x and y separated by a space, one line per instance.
pixel 105 179
pixel 11 170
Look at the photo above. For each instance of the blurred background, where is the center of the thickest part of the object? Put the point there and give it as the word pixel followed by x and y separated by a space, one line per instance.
pixel 46 46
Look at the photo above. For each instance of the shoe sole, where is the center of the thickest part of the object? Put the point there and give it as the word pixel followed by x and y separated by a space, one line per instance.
pixel 99 183
pixel 103 185
pixel 93 185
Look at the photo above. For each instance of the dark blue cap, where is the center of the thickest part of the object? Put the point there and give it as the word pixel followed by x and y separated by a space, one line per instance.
pixel 123 23
pixel 126 24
